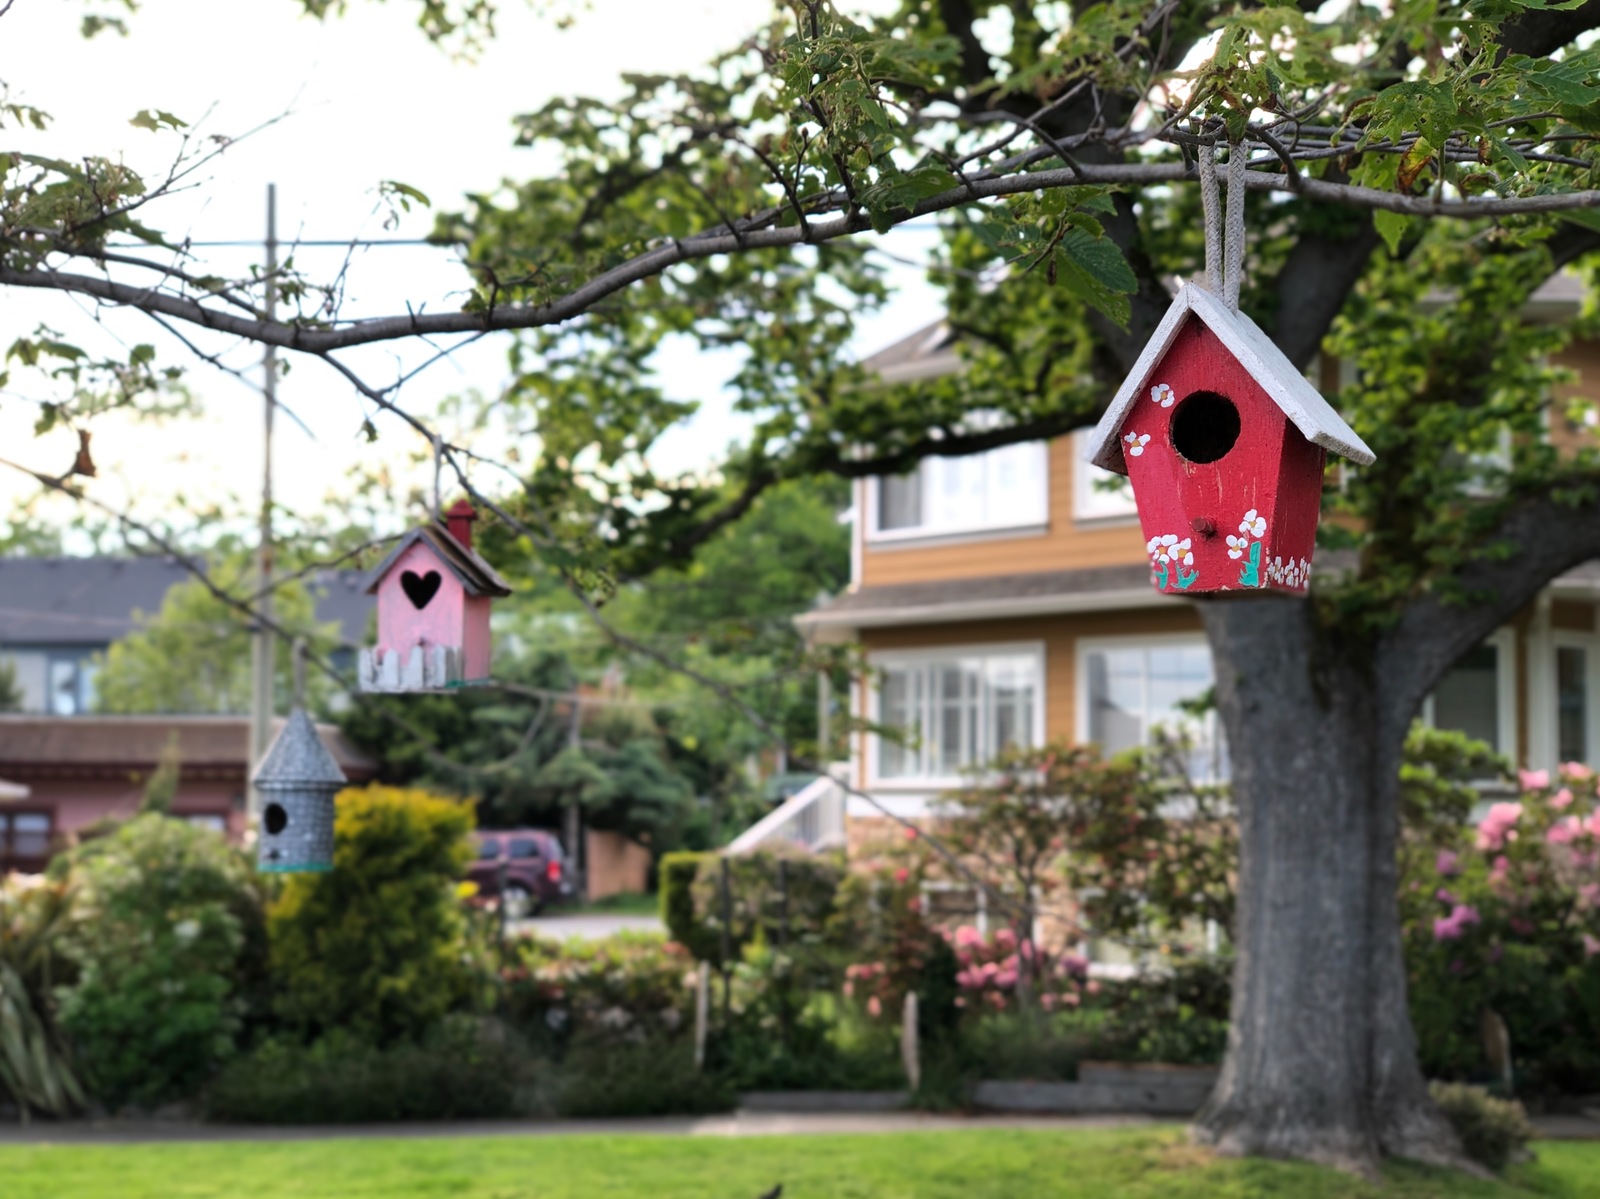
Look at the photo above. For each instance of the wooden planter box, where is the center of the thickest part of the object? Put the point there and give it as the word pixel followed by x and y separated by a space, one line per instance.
pixel 1151 1088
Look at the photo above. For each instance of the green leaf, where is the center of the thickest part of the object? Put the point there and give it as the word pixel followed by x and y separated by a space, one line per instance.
pixel 405 193
pixel 1391 227
pixel 1094 270
pixel 155 120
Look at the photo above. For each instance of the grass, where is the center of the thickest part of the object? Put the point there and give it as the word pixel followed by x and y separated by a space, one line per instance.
pixel 1139 1163
pixel 628 903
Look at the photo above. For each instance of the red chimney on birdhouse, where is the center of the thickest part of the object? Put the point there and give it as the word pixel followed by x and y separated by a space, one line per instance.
pixel 1223 441
pixel 434 592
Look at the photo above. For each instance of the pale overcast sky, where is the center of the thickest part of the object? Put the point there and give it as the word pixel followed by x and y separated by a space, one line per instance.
pixel 370 100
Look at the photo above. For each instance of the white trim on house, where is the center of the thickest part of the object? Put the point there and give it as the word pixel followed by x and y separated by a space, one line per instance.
pixel 985 609
pixel 1589 643
pixel 922 785
pixel 1291 391
pixel 1091 507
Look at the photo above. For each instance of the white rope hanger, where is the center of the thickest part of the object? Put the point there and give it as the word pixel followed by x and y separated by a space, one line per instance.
pixel 1225 233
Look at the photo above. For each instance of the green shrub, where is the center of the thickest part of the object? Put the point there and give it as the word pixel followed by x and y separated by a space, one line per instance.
pixel 163 922
pixel 1178 1015
pixel 1494 1132
pixel 677 904
pixel 376 946
pixel 460 1071
pixel 608 1077
pixel 756 900
pixel 632 985
pixel 36 1068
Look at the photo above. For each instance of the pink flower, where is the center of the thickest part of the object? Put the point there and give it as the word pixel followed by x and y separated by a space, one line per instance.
pixel 1591 945
pixel 874 1007
pixel 1561 798
pixel 1073 965
pixel 1449 928
pixel 1447 863
pixel 1589 895
pixel 1092 986
pixel 1444 896
pixel 1533 780
pixel 1563 832
pixel 1494 828
pixel 1576 771
pixel 901 875
pixel 849 988
pixel 1047 1001
pixel 1006 979
pixel 1071 999
pixel 1006 939
pixel 1593 823
pixel 911 833
pixel 968 937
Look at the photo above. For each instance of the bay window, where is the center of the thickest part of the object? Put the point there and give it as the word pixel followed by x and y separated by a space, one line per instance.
pixel 1128 689
pixel 955 709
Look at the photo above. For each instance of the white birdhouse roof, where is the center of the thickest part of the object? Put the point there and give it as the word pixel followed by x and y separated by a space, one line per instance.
pixel 1290 390
pixel 469 568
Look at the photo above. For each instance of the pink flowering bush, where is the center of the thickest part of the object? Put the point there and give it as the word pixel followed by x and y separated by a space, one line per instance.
pixel 991 971
pixel 1506 918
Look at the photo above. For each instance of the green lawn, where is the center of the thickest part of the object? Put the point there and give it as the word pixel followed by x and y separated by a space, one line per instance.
pixel 965 1164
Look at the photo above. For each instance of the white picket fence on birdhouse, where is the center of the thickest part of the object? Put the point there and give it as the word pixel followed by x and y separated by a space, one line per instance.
pixel 811 819
pixel 425 668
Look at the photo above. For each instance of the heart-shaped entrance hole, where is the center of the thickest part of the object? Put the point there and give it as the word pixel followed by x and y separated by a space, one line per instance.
pixel 420 589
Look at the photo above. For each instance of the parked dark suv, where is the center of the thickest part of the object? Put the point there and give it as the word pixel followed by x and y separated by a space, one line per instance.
pixel 533 868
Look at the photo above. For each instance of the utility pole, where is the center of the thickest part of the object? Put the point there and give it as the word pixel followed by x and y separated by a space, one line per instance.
pixel 261 654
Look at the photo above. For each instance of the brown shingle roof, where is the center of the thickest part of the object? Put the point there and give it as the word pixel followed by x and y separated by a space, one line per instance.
pixel 214 745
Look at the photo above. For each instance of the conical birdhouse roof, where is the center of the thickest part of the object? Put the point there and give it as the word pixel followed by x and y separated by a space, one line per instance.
pixel 1291 391
pixel 298 758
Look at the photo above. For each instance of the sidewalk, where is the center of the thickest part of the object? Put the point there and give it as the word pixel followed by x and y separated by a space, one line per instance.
pixel 734 1124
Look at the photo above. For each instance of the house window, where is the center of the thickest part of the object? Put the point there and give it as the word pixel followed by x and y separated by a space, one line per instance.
pixel 24 838
pixel 214 821
pixel 1476 695
pixel 69 684
pixel 1097 494
pixel 1130 689
pixel 956 709
pixel 1572 703
pixel 1000 489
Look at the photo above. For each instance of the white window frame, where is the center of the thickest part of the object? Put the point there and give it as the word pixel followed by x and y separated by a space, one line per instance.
pixel 1589 643
pixel 1088 645
pixel 1091 506
pixel 884 659
pixel 1505 693
pixel 1030 522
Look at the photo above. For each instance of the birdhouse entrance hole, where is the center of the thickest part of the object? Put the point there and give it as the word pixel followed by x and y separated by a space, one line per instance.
pixel 420 589
pixel 1205 426
pixel 275 818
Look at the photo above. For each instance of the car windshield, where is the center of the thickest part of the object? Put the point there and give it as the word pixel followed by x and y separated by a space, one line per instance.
pixel 489 848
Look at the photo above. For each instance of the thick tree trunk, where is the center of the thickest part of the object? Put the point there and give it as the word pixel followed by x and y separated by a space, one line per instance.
pixel 1321 1061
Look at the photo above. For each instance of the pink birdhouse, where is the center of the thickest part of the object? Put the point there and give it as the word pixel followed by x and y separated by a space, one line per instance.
pixel 1223 441
pixel 433 595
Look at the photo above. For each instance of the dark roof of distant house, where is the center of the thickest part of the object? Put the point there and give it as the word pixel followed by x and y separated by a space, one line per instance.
pixel 210 746
pixel 94 601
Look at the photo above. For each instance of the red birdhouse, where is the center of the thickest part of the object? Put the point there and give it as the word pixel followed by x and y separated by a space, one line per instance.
pixel 1223 441
pixel 433 609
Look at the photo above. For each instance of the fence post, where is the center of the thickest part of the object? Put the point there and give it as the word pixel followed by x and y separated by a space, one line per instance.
pixel 910 1049
pixel 727 939
pixel 702 1014
pixel 500 906
pixel 783 902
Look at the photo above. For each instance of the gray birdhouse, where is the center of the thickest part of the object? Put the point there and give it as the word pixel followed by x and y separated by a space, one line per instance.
pixel 297 780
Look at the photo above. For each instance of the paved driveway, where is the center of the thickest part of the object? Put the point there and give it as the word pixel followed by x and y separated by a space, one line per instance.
pixel 587 928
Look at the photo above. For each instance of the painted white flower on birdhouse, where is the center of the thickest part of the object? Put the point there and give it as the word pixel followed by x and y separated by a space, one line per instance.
pixel 1169 560
pixel 1136 443
pixel 1162 394
pixel 1253 524
pixel 1237 546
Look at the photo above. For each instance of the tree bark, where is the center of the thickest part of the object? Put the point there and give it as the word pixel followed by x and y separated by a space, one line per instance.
pixel 1321 1061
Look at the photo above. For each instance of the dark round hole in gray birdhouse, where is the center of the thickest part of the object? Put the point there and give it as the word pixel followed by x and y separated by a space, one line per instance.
pixel 297 779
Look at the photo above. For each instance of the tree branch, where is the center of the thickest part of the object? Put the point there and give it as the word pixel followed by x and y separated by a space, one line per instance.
pixel 323 339
pixel 1548 537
